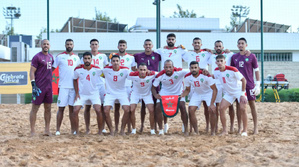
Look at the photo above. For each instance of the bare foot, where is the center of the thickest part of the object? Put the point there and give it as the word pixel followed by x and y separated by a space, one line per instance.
pixel 213 134
pixel 231 129
pixel 141 129
pixel 122 133
pixel 111 133
pixel 239 131
pixel 255 132
pixel 223 133
pixel 207 129
pixel 47 133
pixel 186 133
pixel 32 134
pixel 87 132
pixel 100 133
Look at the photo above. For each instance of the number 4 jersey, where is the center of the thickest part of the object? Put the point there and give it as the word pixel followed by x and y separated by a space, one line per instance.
pixel 66 63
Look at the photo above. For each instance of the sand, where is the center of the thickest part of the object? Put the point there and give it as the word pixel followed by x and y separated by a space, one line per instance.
pixel 275 145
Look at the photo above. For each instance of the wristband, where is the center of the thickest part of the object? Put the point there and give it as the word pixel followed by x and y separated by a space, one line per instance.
pixel 33 83
pixel 243 93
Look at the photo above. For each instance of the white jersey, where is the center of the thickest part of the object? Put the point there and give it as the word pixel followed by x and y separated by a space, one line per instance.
pixel 175 55
pixel 202 58
pixel 201 84
pixel 128 61
pixel 142 86
pixel 87 79
pixel 227 56
pixel 66 63
pixel 115 80
pixel 230 79
pixel 171 85
pixel 101 61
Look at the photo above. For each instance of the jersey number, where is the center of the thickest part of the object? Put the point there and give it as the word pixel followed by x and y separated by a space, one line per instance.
pixel 88 77
pixel 96 62
pixel 196 84
pixel 171 81
pixel 70 62
pixel 142 84
pixel 223 78
pixel 197 59
pixel 122 62
pixel 170 54
pixel 49 65
pixel 241 64
pixel 115 78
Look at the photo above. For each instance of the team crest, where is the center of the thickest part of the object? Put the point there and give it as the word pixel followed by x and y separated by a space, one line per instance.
pixel 203 55
pixel 153 57
pixel 175 51
pixel 246 59
pixel 121 74
pixel 127 59
pixel 224 56
pixel 147 81
pixel 176 77
pixel 100 57
pixel 201 79
pixel 93 73
pixel 58 101
pixel 227 75
pixel 50 58
pixel 75 59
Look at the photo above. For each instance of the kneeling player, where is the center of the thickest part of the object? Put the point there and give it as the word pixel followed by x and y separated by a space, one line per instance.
pixel 87 75
pixel 142 84
pixel 231 80
pixel 204 90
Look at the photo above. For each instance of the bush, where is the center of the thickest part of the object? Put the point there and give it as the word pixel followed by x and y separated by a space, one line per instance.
pixel 285 95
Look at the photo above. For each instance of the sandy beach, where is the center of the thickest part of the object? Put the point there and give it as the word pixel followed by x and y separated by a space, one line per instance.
pixel 275 145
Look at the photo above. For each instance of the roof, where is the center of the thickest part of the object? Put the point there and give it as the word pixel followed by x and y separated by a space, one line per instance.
pixel 251 25
pixel 86 25
pixel 178 24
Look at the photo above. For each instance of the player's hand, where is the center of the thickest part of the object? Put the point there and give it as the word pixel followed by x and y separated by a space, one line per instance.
pixel 243 99
pixel 158 96
pixel 205 72
pixel 35 90
pixel 208 50
pixel 77 97
pixel 181 46
pixel 212 108
pixel 247 52
pixel 226 51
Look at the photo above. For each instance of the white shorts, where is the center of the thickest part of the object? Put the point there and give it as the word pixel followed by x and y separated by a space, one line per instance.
pixel 231 98
pixel 198 98
pixel 66 96
pixel 219 93
pixel 91 99
pixel 102 93
pixel 111 99
pixel 135 98
pixel 129 91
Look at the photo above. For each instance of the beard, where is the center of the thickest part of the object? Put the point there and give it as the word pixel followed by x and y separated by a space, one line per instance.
pixel 170 44
pixel 218 51
pixel 121 51
pixel 87 64
pixel 69 49
pixel 194 73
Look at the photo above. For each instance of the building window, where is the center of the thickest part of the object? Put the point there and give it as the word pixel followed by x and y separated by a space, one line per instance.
pixel 275 56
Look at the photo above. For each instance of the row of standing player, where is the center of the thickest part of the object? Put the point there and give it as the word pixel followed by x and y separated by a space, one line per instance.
pixel 152 59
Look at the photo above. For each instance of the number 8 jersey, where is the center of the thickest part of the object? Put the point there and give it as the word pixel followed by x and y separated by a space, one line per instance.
pixel 115 80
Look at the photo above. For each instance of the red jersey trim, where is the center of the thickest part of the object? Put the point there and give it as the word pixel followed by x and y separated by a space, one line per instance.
pixel 172 48
pixel 177 69
pixel 217 68
pixel 161 73
pixel 151 73
pixel 231 68
pixel 187 75
pixel 135 73
pixel 78 67
pixel 120 67
pixel 93 66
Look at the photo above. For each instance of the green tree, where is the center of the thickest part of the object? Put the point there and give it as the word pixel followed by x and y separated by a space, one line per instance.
pixel 104 17
pixel 8 30
pixel 44 30
pixel 184 13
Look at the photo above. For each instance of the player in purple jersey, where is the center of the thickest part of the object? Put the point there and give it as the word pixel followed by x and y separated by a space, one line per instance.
pixel 152 60
pixel 246 65
pixel 41 81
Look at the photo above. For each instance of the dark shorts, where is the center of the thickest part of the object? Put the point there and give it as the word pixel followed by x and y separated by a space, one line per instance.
pixel 45 97
pixel 250 94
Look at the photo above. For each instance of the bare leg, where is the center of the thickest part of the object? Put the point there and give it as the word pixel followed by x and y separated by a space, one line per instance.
pixel 191 125
pixel 150 108
pixel 192 117
pixel 71 109
pixel 159 116
pixel 87 118
pixel 132 115
pixel 222 108
pixel 59 118
pixel 244 116
pixel 47 115
pixel 97 109
pixel 142 114
pixel 232 117
pixel 184 116
pixel 103 114
pixel 239 117
pixel 75 118
pixel 213 120
pixel 32 118
pixel 125 119
pixel 108 119
pixel 206 111
pixel 116 116
pixel 129 121
pixel 254 115
pixel 217 117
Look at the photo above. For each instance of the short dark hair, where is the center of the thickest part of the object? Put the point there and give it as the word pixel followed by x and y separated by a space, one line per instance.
pixel 122 41
pixel 113 56
pixel 142 64
pixel 87 54
pixel 218 41
pixel 242 39
pixel 196 38
pixel 220 57
pixel 171 35
pixel 194 62
pixel 147 40
pixel 94 40
pixel 69 40
pixel 168 60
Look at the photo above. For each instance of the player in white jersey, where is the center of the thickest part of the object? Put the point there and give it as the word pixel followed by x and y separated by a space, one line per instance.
pixel 126 60
pixel 175 54
pixel 171 79
pixel 87 76
pixel 142 84
pixel 115 76
pixel 67 62
pixel 204 90
pixel 100 60
pixel 234 85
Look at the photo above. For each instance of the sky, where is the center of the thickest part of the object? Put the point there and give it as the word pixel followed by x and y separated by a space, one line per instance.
pixel 34 12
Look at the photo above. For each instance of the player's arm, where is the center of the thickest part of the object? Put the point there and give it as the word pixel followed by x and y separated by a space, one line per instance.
pixel 75 81
pixel 215 91
pixel 35 90
pixel 134 68
pixel 154 92
pixel 186 92
pixel 243 98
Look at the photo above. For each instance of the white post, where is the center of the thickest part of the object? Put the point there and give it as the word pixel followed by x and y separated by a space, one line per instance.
pixel 246 27
pixel 18 99
pixel 69 26
pixel 0 98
